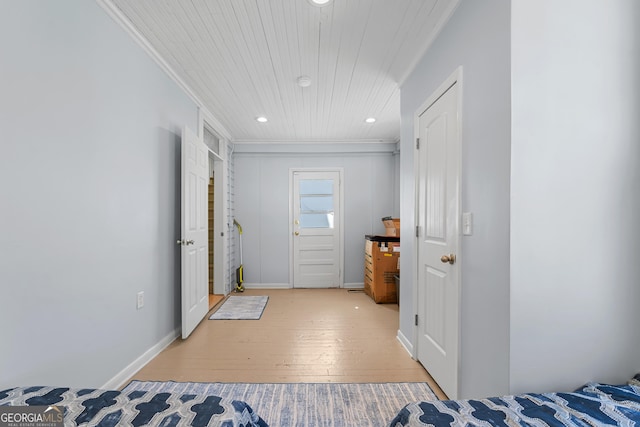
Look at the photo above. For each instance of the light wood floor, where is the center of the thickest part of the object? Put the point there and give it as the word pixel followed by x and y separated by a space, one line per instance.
pixel 304 335
pixel 214 299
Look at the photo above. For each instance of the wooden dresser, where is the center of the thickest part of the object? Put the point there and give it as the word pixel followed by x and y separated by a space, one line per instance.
pixel 381 265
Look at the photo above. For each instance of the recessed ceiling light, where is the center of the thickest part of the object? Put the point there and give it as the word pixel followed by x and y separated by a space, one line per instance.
pixel 262 119
pixel 319 3
pixel 370 120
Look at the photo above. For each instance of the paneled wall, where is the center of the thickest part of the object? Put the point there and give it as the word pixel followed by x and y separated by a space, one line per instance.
pixel 231 241
pixel 262 202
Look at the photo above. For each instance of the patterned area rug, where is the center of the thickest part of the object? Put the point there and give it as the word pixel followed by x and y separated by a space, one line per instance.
pixel 309 405
pixel 241 308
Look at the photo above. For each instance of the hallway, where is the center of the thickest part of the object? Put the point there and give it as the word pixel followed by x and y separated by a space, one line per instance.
pixel 304 335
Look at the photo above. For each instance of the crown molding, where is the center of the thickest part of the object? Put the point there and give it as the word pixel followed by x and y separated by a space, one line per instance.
pixel 116 14
pixel 450 8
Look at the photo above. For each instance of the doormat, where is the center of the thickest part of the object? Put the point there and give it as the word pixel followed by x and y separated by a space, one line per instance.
pixel 241 308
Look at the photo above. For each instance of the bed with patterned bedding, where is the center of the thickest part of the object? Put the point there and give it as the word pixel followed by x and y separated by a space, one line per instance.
pixel 137 408
pixel 592 405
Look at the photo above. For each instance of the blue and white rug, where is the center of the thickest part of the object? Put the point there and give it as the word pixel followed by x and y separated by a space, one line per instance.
pixel 309 404
pixel 241 308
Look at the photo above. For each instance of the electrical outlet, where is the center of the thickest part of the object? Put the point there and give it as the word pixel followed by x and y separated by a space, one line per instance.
pixel 140 300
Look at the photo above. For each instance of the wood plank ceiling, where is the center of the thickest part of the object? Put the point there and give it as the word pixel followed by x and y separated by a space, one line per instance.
pixel 242 59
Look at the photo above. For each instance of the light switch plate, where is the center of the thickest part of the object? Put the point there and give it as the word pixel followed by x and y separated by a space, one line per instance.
pixel 467 223
pixel 140 300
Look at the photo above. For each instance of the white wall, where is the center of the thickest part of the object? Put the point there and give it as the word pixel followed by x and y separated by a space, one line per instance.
pixel 262 202
pixel 90 195
pixel 575 200
pixel 476 38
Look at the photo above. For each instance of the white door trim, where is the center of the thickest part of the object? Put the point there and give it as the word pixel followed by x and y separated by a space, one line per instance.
pixel 219 220
pixel 340 216
pixel 454 78
pixel 205 119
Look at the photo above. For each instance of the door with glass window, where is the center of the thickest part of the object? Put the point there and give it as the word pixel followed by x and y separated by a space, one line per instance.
pixel 316 228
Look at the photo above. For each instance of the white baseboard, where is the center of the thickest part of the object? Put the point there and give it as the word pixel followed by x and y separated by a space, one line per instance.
pixel 353 285
pixel 266 285
pixel 405 343
pixel 288 285
pixel 122 376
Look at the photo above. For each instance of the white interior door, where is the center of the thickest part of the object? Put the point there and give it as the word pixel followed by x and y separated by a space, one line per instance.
pixel 193 242
pixel 316 224
pixel 438 241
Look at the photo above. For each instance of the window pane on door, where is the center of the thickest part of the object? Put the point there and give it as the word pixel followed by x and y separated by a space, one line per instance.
pixel 316 220
pixel 316 203
pixel 316 186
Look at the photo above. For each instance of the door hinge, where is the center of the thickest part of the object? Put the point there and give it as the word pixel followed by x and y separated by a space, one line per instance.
pixel 416 321
pixel 417 231
pixel 417 143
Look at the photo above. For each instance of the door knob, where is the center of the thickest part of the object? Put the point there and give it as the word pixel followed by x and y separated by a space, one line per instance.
pixel 451 258
pixel 180 242
pixel 297 233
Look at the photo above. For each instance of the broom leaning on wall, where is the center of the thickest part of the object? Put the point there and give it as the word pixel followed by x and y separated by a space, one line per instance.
pixel 239 270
